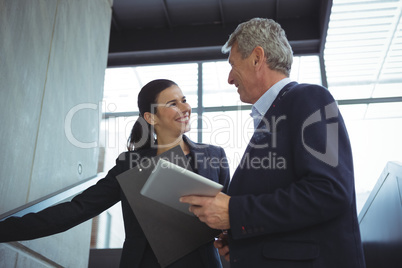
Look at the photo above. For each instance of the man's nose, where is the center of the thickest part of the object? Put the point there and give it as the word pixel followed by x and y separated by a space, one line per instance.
pixel 230 78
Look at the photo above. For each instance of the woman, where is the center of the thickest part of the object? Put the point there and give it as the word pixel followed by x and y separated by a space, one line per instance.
pixel 164 117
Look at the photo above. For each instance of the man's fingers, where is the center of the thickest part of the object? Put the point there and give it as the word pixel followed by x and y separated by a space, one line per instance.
pixel 224 251
pixel 218 244
pixel 227 257
pixel 191 199
pixel 193 209
pixel 211 210
pixel 222 245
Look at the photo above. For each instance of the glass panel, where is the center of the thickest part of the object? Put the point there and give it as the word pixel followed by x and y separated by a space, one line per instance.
pixel 216 90
pixel 193 133
pixel 353 112
pixel 347 92
pixel 374 143
pixel 230 130
pixel 113 136
pixel 185 75
pixel 384 110
pixel 120 90
pixel 306 70
pixel 122 85
pixel 388 90
pixel 363 43
pixel 108 229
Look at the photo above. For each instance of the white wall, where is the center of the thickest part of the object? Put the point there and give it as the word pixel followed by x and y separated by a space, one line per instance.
pixel 53 55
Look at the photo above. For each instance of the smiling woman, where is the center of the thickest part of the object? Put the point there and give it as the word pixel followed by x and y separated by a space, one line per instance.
pixel 164 118
pixel 172 116
pixel 164 112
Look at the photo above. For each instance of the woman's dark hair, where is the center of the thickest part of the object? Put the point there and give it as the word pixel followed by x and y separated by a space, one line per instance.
pixel 142 136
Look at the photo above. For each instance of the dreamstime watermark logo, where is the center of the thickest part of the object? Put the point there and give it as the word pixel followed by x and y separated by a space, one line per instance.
pixel 68 123
pixel 330 156
pixel 233 130
pixel 228 130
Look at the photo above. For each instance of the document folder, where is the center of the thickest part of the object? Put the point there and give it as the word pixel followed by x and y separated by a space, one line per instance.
pixel 170 233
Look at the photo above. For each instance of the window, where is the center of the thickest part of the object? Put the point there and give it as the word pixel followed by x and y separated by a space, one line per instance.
pixel 363 62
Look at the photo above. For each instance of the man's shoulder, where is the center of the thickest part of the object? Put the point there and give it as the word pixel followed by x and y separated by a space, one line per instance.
pixel 302 95
pixel 303 88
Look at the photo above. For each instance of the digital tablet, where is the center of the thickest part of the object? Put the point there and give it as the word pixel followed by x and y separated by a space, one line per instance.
pixel 168 182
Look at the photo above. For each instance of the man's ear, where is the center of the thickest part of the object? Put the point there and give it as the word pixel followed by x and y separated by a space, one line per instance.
pixel 258 56
pixel 150 118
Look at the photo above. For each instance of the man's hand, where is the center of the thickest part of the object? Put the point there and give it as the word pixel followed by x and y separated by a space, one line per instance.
pixel 214 211
pixel 223 246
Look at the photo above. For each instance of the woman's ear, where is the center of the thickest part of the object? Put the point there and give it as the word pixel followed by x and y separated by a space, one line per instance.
pixel 150 118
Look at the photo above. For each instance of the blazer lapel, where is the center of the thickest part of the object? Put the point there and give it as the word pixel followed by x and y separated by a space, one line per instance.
pixel 200 155
pixel 262 129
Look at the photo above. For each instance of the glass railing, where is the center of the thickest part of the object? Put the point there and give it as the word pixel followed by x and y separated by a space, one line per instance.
pixel 52 199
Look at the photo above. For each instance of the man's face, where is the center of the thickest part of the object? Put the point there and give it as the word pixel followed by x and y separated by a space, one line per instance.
pixel 243 76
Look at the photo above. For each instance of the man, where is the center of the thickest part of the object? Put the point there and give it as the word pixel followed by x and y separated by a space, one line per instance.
pixel 291 201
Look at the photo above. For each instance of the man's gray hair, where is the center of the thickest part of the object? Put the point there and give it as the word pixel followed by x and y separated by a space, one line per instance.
pixel 267 34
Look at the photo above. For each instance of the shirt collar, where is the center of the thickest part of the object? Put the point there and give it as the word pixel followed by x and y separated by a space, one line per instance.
pixel 259 109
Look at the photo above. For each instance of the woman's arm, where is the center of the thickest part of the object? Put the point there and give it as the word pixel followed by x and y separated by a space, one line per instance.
pixel 63 216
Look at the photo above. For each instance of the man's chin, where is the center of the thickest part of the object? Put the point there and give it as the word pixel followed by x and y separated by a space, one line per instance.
pixel 245 100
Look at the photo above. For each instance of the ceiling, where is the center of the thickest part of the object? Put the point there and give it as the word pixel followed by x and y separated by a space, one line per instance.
pixel 162 31
pixel 363 51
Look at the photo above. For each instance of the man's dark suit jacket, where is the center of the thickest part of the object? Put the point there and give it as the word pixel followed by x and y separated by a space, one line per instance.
pixel 107 192
pixel 292 197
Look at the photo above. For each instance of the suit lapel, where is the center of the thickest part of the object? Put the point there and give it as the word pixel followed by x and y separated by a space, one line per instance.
pixel 262 128
pixel 276 102
pixel 200 155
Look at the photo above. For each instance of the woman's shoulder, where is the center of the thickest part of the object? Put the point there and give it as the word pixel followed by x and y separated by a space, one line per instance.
pixel 129 159
pixel 204 147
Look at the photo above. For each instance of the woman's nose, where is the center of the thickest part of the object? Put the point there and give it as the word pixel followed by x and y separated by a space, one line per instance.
pixel 184 108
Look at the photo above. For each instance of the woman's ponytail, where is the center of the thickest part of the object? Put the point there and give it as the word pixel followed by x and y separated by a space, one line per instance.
pixel 141 136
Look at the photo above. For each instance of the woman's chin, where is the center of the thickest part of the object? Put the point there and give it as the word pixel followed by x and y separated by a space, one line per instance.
pixel 186 129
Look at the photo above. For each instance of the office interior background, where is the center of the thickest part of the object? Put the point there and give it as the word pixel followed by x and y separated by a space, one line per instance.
pixel 45 85
pixel 363 64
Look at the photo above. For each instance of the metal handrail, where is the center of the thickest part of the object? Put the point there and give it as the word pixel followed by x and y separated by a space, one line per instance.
pixel 54 198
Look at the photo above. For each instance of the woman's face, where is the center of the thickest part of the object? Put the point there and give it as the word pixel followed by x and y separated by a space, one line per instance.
pixel 172 115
